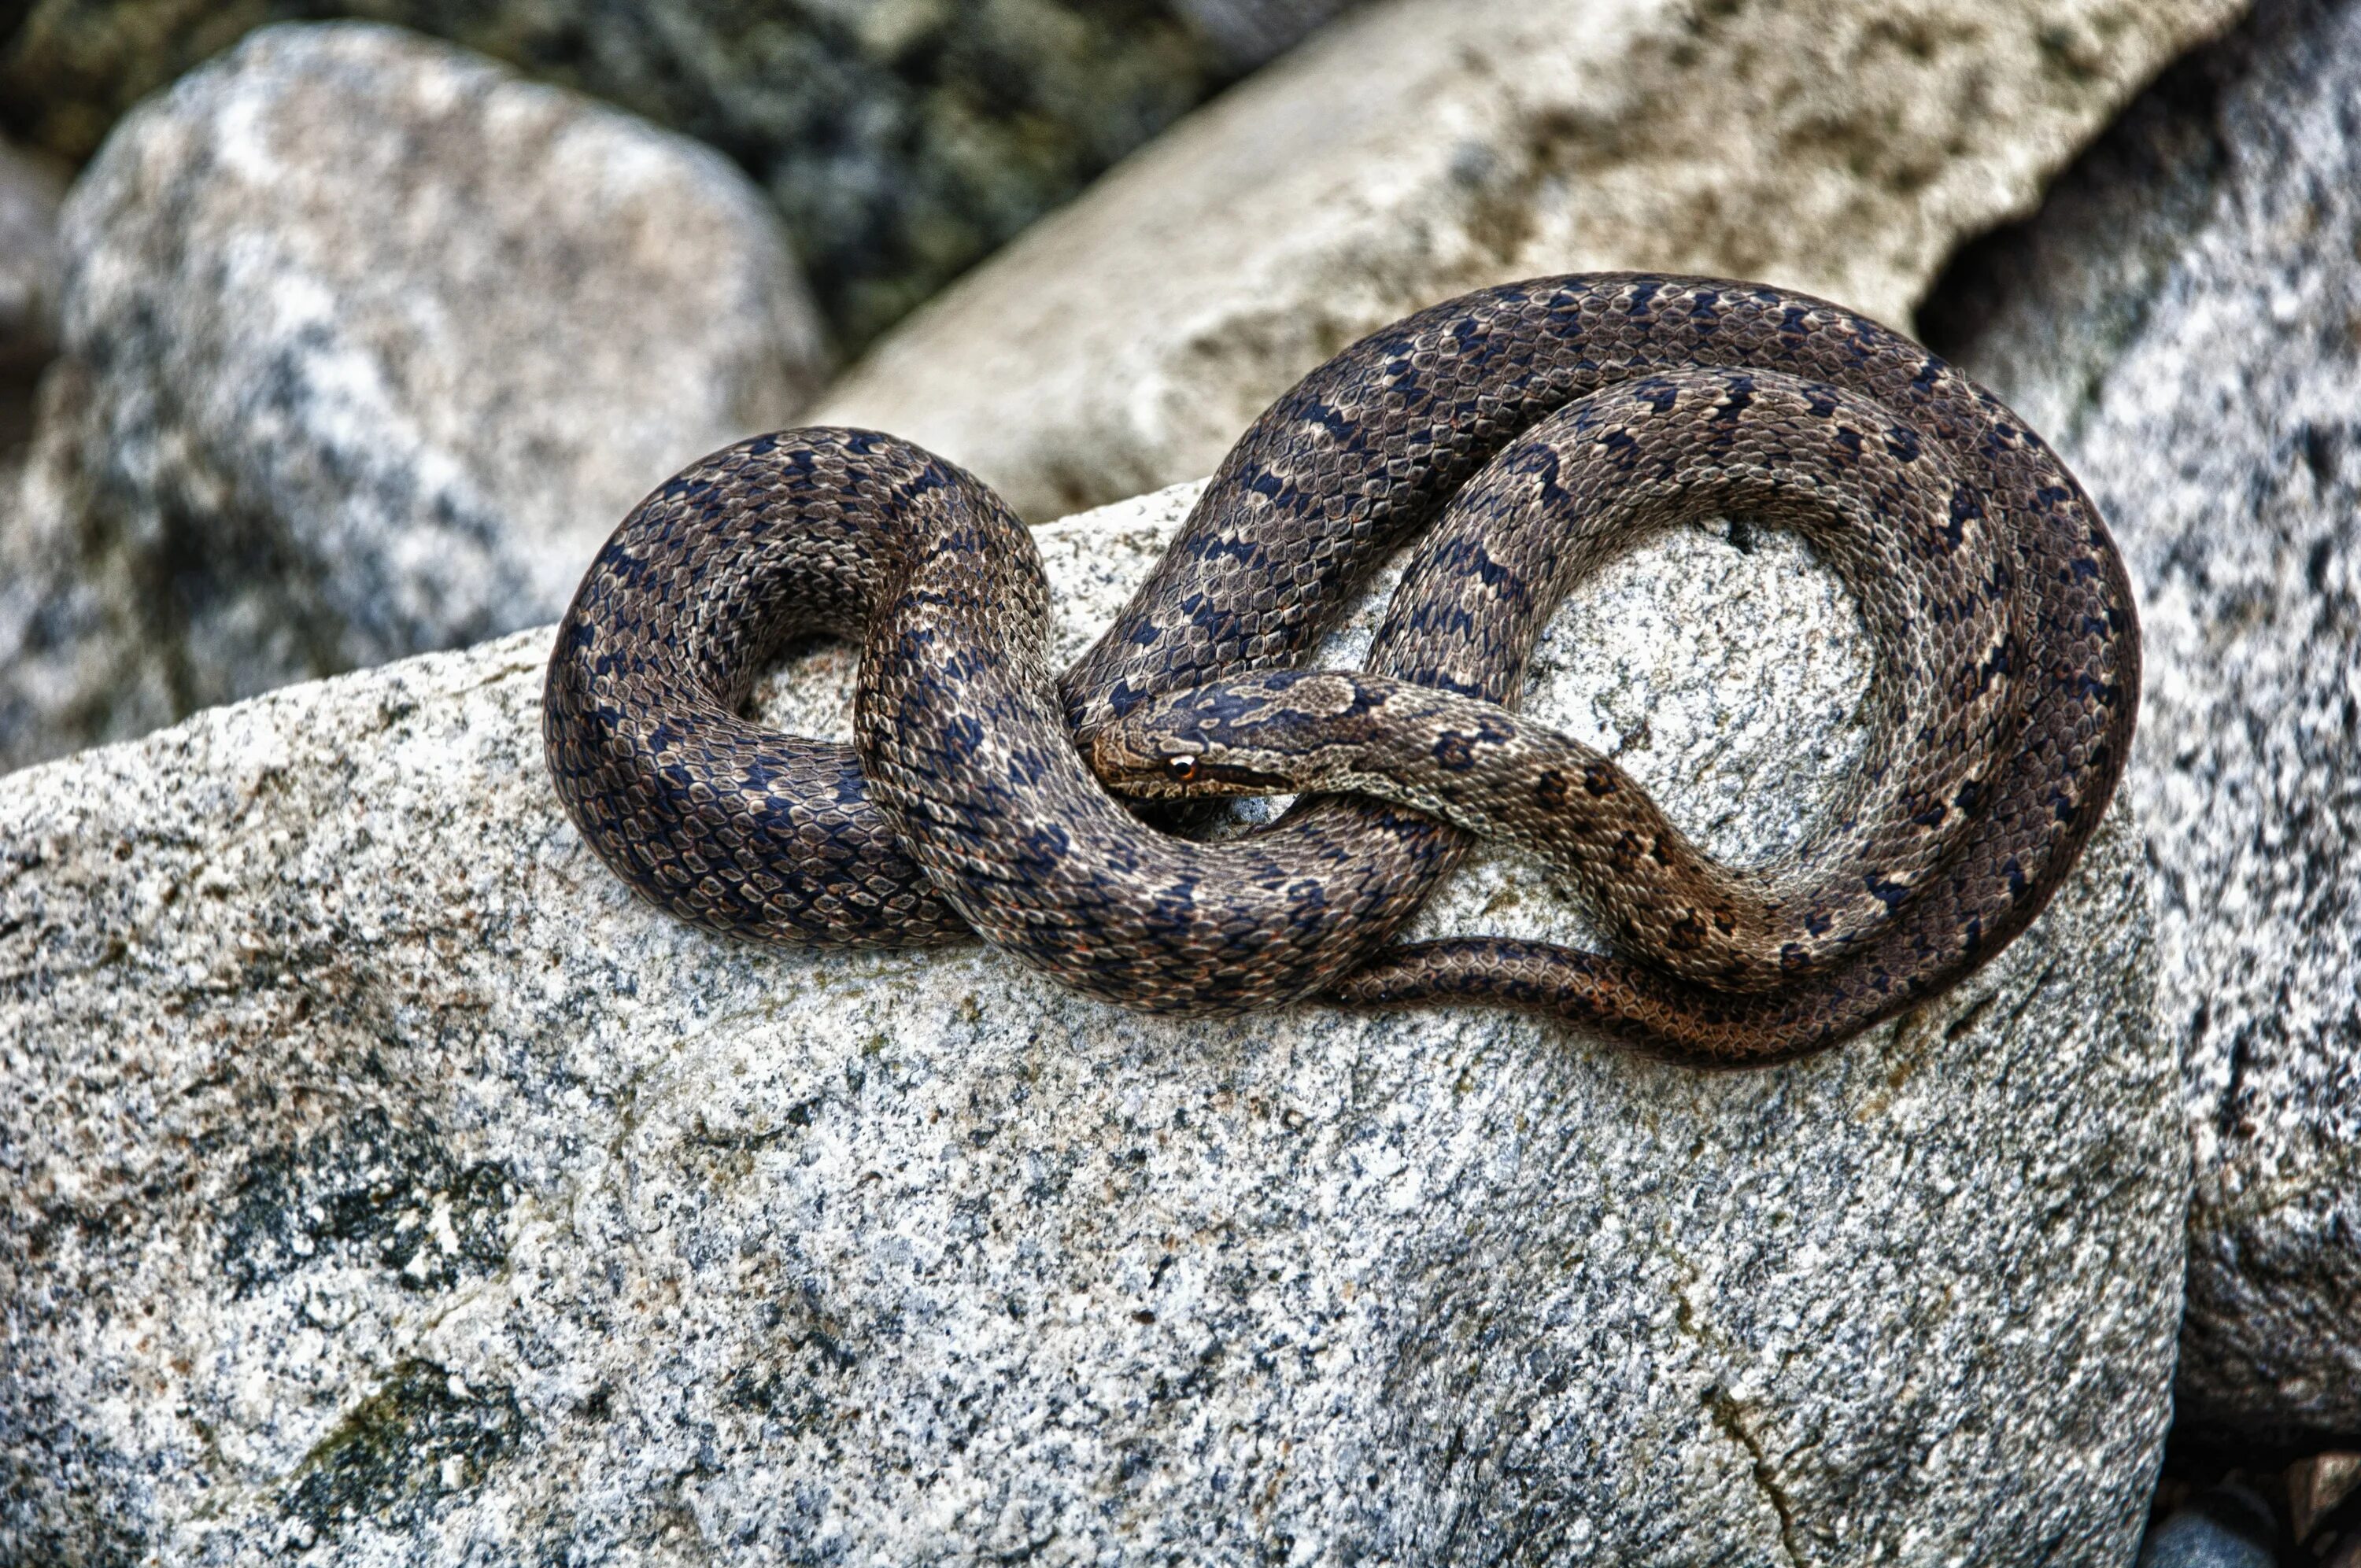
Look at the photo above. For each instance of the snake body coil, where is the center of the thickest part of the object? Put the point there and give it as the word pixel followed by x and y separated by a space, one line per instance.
pixel 1531 431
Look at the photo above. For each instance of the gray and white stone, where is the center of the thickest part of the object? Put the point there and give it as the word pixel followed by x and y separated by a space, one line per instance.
pixel 2184 318
pixel 1419 148
pixel 367 346
pixel 380 1183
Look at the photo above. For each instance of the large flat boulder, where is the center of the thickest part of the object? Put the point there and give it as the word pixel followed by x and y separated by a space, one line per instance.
pixel 367 345
pixel 2182 318
pixel 1420 149
pixel 378 1182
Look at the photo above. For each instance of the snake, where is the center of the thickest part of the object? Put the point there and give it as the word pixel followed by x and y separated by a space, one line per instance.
pixel 1509 443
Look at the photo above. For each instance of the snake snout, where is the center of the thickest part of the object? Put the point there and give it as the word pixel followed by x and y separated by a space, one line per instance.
pixel 1163 750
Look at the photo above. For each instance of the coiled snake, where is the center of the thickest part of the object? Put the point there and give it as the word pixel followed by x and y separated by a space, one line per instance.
pixel 1521 435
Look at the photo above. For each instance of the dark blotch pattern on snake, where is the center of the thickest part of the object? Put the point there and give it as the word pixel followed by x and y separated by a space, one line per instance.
pixel 1521 435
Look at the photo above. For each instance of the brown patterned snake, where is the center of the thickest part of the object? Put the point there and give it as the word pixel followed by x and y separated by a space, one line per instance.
pixel 1522 436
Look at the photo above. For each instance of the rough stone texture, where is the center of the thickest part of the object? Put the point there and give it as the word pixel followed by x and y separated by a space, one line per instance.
pixel 376 1178
pixel 367 346
pixel 1424 148
pixel 2184 317
pixel 903 139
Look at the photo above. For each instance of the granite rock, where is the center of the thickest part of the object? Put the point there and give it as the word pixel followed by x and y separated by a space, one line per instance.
pixel 903 139
pixel 2184 317
pixel 1420 149
pixel 382 1183
pixel 367 346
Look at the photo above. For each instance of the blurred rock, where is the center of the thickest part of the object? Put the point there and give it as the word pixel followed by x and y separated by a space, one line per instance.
pixel 366 347
pixel 2228 1527
pixel 1248 33
pixel 2318 1488
pixel 1424 148
pixel 30 188
pixel 2184 318
pixel 903 139
pixel 382 1180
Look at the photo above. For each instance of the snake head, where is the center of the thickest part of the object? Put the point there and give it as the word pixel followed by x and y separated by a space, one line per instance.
pixel 1195 743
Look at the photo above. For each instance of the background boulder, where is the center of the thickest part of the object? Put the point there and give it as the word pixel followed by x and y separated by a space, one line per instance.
pixel 902 139
pixel 31 187
pixel 1420 149
pixel 367 346
pixel 2184 319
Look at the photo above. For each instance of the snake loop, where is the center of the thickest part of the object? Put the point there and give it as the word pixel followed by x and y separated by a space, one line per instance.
pixel 1521 435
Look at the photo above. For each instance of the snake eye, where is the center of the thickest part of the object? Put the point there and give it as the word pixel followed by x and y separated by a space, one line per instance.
pixel 1180 770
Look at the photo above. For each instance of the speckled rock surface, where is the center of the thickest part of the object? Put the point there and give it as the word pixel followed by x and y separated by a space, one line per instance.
pixel 1424 148
pixel 367 346
pixel 379 1183
pixel 2182 317
pixel 903 139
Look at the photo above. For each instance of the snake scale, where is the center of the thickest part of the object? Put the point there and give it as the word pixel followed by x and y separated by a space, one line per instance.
pixel 1514 439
